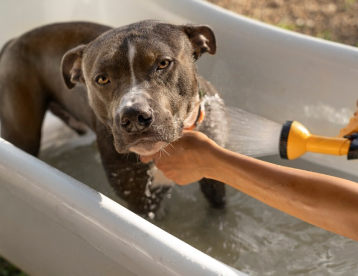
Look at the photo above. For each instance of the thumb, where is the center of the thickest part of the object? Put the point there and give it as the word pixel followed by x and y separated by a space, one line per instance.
pixel 146 159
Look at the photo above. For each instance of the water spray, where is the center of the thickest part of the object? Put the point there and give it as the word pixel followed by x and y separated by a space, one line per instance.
pixel 256 136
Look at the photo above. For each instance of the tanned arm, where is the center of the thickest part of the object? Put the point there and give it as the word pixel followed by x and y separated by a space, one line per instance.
pixel 325 201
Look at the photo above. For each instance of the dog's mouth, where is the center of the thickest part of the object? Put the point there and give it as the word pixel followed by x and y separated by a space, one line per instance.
pixel 145 143
pixel 152 140
pixel 146 147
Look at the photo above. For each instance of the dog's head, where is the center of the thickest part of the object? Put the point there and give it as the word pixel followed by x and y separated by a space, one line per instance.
pixel 141 80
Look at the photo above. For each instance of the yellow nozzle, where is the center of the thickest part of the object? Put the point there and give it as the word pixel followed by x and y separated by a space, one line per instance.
pixel 296 140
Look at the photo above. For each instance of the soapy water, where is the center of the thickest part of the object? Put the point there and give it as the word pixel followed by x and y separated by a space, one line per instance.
pixel 247 234
pixel 252 135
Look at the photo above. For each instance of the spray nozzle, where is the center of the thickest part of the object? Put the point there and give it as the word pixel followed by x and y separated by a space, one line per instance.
pixel 295 140
pixel 353 148
pixel 351 136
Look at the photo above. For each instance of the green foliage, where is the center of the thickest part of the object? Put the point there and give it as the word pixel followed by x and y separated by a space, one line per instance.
pixel 287 25
pixel 348 4
pixel 7 269
pixel 325 35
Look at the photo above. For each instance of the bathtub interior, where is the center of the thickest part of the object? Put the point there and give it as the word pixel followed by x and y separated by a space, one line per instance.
pixel 248 235
pixel 274 76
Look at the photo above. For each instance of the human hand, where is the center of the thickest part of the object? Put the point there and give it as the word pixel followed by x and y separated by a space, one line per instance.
pixel 352 126
pixel 186 160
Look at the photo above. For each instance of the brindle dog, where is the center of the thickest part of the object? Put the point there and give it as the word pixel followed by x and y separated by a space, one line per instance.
pixel 135 86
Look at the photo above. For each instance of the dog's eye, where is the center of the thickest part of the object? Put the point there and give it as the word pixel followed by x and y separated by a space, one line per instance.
pixel 163 64
pixel 102 80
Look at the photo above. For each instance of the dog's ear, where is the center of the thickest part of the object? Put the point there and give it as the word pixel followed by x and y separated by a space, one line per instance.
pixel 202 39
pixel 71 66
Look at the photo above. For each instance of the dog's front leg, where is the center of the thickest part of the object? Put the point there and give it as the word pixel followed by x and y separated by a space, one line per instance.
pixel 215 126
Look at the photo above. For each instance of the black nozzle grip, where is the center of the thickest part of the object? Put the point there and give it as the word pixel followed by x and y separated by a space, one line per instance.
pixel 353 148
pixel 285 131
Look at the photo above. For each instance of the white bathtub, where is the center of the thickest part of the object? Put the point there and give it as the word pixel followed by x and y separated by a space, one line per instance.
pixel 51 224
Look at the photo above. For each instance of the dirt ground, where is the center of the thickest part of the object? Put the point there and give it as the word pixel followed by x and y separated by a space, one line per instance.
pixel 335 20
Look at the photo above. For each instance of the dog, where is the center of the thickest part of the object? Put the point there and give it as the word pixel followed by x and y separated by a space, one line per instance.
pixel 135 86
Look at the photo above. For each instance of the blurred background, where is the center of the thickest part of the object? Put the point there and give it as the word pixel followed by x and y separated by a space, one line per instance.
pixel 335 20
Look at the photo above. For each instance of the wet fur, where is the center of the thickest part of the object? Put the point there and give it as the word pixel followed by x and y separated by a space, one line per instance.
pixel 31 83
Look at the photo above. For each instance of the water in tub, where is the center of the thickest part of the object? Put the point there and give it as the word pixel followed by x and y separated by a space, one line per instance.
pixel 247 234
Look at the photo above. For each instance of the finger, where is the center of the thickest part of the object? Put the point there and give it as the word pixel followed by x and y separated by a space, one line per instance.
pixel 161 164
pixel 146 159
pixel 177 178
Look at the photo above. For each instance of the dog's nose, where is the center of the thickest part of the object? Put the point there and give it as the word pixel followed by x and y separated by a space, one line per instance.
pixel 134 118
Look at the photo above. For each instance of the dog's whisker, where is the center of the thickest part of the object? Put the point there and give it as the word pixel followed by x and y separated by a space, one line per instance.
pixel 138 158
pixel 105 137
pixel 165 152
pixel 127 156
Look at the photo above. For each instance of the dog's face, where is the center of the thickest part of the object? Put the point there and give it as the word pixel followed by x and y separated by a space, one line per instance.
pixel 141 80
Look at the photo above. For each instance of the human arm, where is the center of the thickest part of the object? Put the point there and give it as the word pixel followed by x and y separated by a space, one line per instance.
pixel 325 201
